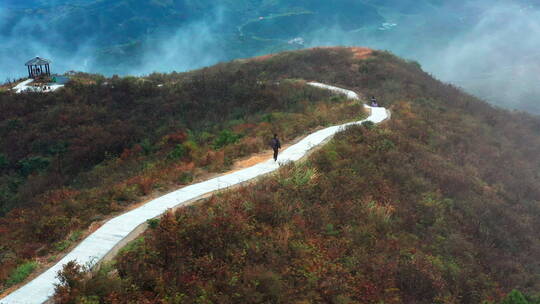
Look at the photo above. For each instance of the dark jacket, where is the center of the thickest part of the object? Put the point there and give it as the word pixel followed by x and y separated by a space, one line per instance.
pixel 275 144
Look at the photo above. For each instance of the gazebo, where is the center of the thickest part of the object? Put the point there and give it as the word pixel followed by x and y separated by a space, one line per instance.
pixel 38 67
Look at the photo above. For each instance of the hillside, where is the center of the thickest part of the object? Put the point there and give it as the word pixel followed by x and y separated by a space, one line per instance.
pixel 439 205
pixel 71 159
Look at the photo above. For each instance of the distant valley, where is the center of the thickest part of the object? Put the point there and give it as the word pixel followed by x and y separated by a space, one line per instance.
pixel 456 41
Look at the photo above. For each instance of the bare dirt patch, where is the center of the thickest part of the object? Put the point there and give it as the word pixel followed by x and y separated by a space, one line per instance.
pixel 264 57
pixel 358 53
pixel 361 52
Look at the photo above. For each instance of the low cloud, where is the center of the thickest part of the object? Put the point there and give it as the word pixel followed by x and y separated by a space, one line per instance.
pixel 192 46
pixel 188 47
pixel 490 48
pixel 497 58
pixel 19 44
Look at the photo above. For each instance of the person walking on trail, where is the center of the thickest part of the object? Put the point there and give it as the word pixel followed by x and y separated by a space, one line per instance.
pixel 374 102
pixel 276 145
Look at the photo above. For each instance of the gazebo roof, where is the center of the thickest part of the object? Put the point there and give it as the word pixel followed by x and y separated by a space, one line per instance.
pixel 38 61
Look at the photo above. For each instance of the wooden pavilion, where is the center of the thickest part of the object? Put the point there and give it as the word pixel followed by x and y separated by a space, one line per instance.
pixel 38 67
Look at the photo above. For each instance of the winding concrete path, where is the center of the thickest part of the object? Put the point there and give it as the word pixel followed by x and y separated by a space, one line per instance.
pixel 108 238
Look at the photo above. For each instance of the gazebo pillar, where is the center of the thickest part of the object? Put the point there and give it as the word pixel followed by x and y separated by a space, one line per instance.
pixel 38 67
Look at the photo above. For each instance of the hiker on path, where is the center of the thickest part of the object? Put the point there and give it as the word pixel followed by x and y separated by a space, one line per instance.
pixel 276 145
pixel 374 102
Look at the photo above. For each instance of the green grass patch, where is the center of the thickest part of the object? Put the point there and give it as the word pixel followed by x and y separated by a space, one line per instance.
pixel 62 245
pixel 21 273
pixel 225 138
pixel 133 245
pixel 75 235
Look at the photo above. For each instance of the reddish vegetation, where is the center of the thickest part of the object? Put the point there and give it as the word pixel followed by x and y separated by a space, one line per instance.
pixel 177 138
pixel 439 205
pixel 358 52
pixel 263 57
pixel 72 159
pixel 361 53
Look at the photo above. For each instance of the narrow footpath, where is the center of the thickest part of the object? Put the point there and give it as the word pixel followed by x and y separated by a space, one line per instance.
pixel 109 238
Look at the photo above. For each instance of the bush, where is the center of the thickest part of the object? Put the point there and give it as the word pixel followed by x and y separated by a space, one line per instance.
pixel 185 178
pixel 33 164
pixel 76 235
pixel 70 283
pixel 415 64
pixel 338 98
pixel 89 300
pixel 147 146
pixel 62 245
pixel 179 152
pixel 368 124
pixel 52 228
pixel 153 223
pixel 225 138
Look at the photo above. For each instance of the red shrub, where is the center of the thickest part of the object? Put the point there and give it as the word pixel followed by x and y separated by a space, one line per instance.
pixel 177 138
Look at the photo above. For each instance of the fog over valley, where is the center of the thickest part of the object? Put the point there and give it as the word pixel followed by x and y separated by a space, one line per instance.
pixel 489 48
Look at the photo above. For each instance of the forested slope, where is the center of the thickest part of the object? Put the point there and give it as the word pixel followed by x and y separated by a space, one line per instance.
pixel 439 205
